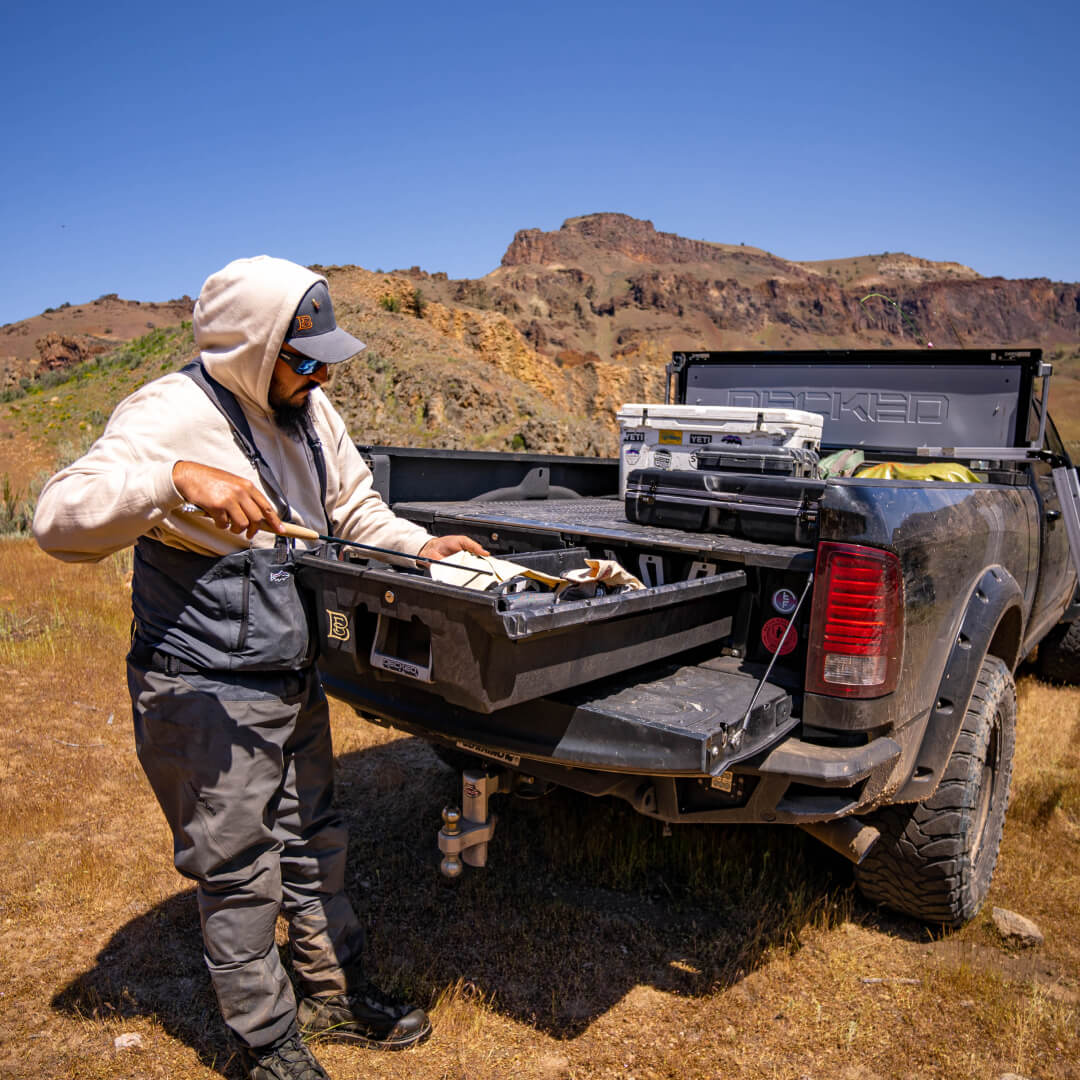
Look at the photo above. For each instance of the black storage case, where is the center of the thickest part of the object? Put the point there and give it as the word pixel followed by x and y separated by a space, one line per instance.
pixel 770 460
pixel 772 509
pixel 485 651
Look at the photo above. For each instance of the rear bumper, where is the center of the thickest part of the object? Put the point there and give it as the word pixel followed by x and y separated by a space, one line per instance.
pixel 663 744
pixel 794 783
pixel 801 781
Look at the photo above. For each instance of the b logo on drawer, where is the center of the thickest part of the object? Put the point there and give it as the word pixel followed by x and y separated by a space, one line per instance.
pixel 337 625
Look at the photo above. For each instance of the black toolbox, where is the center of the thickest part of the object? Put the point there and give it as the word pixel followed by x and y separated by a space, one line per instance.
pixel 486 651
pixel 770 460
pixel 774 509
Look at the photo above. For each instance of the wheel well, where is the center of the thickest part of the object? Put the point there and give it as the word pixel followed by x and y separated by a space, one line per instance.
pixel 996 589
pixel 1005 644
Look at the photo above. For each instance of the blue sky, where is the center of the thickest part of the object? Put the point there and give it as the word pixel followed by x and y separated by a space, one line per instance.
pixel 149 144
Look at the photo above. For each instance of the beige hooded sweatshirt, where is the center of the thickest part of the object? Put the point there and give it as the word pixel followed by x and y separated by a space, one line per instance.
pixel 122 487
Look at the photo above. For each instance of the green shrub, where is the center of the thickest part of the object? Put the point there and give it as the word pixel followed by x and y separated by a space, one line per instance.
pixel 16 509
pixel 170 345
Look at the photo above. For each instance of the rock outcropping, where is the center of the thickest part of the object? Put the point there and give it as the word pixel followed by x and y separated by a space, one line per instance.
pixel 612 286
pixel 62 350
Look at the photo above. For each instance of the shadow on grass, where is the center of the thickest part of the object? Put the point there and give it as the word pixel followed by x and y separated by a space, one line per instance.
pixel 153 967
pixel 582 901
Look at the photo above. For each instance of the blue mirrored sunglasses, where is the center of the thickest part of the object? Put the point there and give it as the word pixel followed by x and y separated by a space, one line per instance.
pixel 302 365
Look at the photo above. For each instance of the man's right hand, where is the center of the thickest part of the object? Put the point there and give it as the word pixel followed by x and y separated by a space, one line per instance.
pixel 233 502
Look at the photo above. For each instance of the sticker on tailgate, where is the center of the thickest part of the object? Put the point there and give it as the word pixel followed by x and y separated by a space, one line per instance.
pixel 776 635
pixel 784 601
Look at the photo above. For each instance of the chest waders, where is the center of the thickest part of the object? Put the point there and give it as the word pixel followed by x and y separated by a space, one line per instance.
pixel 232 731
pixel 239 612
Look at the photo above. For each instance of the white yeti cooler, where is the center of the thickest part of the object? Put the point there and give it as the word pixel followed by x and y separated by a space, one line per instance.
pixel 670 436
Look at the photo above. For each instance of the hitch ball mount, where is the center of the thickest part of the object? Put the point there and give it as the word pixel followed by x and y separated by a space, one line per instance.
pixel 464 837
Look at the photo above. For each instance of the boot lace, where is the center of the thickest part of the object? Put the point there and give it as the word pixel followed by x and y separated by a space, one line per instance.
pixel 290 1060
pixel 371 996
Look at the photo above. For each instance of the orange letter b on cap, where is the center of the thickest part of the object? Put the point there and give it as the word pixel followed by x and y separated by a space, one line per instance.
pixel 303 322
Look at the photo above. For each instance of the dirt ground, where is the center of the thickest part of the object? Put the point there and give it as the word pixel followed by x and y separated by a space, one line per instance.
pixel 591 947
pixel 21 455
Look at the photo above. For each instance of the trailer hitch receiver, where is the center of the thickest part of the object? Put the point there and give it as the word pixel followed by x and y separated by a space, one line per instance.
pixel 464 837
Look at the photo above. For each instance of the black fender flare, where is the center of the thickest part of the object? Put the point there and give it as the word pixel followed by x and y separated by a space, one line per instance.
pixel 993 623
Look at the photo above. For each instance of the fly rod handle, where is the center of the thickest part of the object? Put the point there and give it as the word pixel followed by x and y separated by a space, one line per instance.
pixel 297 532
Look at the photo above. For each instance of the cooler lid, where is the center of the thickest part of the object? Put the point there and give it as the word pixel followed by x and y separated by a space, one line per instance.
pixel 644 414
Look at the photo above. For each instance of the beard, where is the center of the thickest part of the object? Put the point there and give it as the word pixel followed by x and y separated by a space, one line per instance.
pixel 287 415
pixel 290 418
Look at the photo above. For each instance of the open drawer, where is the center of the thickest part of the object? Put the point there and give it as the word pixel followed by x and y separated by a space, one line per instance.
pixel 485 651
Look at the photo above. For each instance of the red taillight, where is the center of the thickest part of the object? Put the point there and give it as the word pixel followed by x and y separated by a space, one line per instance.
pixel 856 622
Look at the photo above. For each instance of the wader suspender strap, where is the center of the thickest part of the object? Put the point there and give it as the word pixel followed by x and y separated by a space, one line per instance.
pixel 320 468
pixel 225 402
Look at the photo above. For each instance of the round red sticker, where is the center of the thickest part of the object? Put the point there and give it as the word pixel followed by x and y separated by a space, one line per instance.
pixel 773 631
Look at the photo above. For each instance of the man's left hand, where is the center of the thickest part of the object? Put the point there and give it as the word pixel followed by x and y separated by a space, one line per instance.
pixel 442 546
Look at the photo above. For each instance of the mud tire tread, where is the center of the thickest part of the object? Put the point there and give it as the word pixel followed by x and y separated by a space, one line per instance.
pixel 925 864
pixel 1059 654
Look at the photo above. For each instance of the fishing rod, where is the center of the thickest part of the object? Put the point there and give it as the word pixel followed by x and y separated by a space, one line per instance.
pixel 395 558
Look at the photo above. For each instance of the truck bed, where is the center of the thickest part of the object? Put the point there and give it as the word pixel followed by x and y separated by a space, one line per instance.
pixel 592 521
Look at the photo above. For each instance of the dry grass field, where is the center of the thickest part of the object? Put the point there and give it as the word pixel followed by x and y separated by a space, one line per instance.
pixel 592 947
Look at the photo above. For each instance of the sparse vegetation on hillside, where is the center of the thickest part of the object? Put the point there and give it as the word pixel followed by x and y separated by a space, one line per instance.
pixel 63 411
pixel 147 356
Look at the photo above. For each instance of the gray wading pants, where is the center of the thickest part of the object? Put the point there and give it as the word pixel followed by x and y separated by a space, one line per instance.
pixel 242 767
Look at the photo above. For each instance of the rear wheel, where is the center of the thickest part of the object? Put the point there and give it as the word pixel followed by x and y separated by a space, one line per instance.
pixel 935 859
pixel 1059 654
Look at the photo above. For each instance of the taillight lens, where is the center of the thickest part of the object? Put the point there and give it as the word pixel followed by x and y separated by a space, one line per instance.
pixel 856 622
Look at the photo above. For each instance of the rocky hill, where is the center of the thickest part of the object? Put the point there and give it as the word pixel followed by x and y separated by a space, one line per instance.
pixel 73 333
pixel 611 287
pixel 540 353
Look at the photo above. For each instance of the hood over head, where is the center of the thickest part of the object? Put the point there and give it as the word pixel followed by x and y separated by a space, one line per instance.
pixel 241 318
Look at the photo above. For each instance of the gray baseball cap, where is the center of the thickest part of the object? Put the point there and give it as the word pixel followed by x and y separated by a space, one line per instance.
pixel 314 331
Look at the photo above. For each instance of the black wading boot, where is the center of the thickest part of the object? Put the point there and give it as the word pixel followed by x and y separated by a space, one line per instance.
pixel 365 1016
pixel 287 1059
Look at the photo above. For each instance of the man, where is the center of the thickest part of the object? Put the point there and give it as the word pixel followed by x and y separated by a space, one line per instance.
pixel 231 722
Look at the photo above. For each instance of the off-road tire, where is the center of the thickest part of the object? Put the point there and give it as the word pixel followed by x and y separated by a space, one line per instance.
pixel 1059 654
pixel 935 859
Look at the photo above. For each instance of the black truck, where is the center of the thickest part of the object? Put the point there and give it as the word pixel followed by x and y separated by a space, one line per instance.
pixel 834 652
